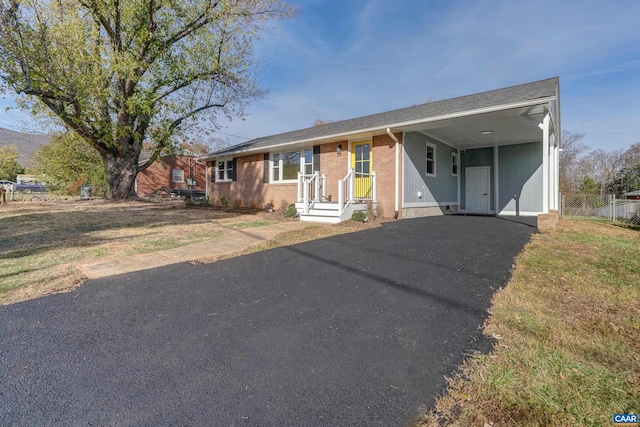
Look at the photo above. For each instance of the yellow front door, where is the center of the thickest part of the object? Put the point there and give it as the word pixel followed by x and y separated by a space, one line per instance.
pixel 361 161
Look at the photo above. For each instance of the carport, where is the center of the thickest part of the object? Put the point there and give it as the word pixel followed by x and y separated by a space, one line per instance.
pixel 503 156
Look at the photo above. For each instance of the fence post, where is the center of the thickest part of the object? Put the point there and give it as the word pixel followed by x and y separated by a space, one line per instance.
pixel 561 205
pixel 614 209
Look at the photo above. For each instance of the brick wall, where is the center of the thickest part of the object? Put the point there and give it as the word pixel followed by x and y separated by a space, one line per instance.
pixel 334 166
pixel 159 174
pixel 250 189
pixel 384 150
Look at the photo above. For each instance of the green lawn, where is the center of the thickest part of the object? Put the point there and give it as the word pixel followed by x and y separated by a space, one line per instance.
pixel 567 331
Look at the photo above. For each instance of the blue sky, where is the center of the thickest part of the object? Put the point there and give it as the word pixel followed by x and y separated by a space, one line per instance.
pixel 340 59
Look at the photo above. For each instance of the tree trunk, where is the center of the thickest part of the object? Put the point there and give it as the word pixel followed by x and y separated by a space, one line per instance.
pixel 121 176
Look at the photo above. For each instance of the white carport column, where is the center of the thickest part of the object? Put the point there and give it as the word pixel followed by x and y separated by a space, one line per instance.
pixel 556 172
pixel 545 163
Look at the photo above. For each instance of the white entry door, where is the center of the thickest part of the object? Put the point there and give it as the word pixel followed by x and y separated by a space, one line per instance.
pixel 478 185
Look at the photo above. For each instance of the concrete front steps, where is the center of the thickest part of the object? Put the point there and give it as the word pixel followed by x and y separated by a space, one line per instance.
pixel 329 212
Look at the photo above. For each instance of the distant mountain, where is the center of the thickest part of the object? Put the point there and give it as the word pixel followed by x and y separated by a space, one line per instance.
pixel 26 143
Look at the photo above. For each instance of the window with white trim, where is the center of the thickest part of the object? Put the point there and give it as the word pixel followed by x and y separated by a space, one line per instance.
pixel 224 170
pixel 177 175
pixel 285 166
pixel 454 163
pixel 307 167
pixel 430 159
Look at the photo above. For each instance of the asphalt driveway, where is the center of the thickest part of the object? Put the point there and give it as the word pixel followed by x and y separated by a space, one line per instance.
pixel 357 329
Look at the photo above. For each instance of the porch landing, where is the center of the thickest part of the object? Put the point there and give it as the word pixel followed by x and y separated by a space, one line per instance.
pixel 329 212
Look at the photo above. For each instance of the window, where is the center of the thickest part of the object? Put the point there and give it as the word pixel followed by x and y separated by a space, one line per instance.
pixel 430 160
pixel 308 161
pixel 362 158
pixel 286 166
pixel 276 167
pixel 454 163
pixel 177 175
pixel 225 170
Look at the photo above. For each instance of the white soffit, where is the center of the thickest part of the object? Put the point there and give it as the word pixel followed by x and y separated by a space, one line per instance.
pixel 515 126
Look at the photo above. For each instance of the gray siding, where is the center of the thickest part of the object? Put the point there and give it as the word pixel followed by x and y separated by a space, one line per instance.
pixel 520 176
pixel 471 158
pixel 443 188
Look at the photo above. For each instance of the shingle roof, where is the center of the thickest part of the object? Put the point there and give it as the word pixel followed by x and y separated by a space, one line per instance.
pixel 510 95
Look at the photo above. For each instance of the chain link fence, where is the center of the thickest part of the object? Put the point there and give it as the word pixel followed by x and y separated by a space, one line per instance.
pixel 608 208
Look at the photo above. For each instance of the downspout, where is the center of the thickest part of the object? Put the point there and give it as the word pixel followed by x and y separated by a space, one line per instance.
pixel 395 215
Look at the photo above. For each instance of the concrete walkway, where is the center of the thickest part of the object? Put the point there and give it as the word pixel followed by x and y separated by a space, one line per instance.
pixel 233 241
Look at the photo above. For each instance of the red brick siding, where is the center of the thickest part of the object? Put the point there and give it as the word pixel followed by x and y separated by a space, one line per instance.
pixel 159 174
pixel 334 166
pixel 250 189
pixel 384 165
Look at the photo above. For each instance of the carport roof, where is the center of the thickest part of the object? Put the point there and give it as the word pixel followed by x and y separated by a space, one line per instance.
pixel 543 91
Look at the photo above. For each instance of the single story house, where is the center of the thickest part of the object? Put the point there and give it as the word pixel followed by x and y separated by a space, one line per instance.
pixel 494 152
pixel 180 171
pixel 632 195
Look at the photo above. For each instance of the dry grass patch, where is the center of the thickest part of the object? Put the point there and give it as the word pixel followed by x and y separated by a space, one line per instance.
pixel 568 325
pixel 42 243
pixel 300 236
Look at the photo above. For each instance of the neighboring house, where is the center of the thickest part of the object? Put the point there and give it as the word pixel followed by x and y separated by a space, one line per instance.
pixel 176 172
pixel 632 195
pixel 494 152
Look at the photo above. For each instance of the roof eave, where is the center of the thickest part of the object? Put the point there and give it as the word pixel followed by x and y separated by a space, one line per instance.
pixel 382 128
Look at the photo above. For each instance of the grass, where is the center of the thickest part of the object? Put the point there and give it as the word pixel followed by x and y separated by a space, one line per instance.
pixel 252 224
pixel 43 243
pixel 566 327
pixel 568 336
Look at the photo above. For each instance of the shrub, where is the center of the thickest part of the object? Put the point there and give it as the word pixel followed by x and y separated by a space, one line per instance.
pixel 207 202
pixel 238 204
pixel 224 201
pixel 291 212
pixel 359 216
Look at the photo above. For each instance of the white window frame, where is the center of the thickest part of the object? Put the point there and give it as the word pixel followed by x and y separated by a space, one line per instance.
pixel 280 167
pixel 174 171
pixel 426 159
pixel 226 169
pixel 455 162
pixel 303 160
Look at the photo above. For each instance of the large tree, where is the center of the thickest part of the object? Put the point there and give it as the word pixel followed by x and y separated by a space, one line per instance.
pixel 572 149
pixel 124 73
pixel 627 177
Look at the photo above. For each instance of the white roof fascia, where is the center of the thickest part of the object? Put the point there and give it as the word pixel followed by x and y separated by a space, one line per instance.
pixel 493 109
